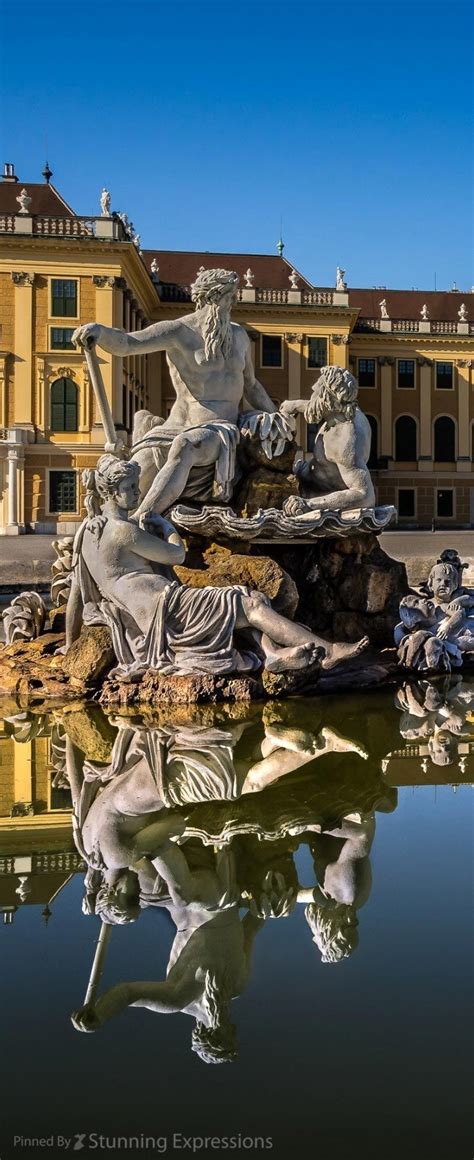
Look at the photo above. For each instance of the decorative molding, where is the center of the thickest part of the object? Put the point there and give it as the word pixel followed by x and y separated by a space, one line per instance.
pixel 338 339
pixel 464 362
pixel 23 278
pixel 424 362
pixel 61 373
pixel 385 360
pixel 299 337
pixel 112 283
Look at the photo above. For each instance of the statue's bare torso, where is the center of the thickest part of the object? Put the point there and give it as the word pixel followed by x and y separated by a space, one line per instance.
pixel 205 391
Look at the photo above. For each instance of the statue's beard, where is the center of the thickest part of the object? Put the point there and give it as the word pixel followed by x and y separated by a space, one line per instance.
pixel 217 332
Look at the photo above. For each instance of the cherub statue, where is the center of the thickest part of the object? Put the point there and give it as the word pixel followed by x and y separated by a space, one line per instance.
pixel 123 578
pixel 436 629
pixel 338 471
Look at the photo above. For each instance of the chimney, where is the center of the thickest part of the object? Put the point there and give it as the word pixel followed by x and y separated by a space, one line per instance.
pixel 9 172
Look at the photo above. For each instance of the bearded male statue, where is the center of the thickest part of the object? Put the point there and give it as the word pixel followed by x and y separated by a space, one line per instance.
pixel 338 471
pixel 192 454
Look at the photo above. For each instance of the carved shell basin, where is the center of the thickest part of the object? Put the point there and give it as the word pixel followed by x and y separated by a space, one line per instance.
pixel 273 526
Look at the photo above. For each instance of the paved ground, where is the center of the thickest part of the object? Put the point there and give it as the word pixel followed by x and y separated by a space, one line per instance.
pixel 26 560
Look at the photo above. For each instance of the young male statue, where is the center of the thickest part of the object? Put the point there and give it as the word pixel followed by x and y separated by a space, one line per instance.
pixel 192 453
pixel 123 577
pixel 338 471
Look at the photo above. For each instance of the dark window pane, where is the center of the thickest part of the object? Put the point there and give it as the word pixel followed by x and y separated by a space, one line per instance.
pixel 366 372
pixel 406 373
pixel 405 438
pixel 444 376
pixel 311 430
pixel 444 503
pixel 62 491
pixel 317 352
pixel 406 502
pixel 64 405
pixel 444 440
pixel 64 298
pixel 61 338
pixel 271 350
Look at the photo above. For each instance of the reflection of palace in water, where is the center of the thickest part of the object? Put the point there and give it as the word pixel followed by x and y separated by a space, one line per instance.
pixel 205 817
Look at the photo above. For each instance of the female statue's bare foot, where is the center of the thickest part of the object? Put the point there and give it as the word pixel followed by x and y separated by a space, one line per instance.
pixel 301 656
pixel 335 653
pixel 336 743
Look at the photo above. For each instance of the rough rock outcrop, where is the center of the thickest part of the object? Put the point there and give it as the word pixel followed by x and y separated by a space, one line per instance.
pixel 91 656
pixel 193 688
pixel 259 573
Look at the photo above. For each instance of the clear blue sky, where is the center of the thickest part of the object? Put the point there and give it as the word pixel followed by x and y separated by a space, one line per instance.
pixel 208 120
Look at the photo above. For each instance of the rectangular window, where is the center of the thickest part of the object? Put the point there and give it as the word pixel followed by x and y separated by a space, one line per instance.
pixel 62 491
pixel 406 502
pixel 317 352
pixel 61 338
pixel 271 350
pixel 445 502
pixel 64 298
pixel 406 373
pixel 366 372
pixel 444 376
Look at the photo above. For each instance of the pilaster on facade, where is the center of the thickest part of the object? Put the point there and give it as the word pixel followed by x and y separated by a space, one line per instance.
pixel 16 439
pixel 23 282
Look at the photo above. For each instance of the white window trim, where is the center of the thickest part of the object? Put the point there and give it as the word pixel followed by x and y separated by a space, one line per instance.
pixel 61 515
pixel 61 350
pixel 435 503
pixel 415 511
pixel 59 320
pixel 413 388
pixel 320 337
pixel 274 366
pixel 367 358
pixel 451 364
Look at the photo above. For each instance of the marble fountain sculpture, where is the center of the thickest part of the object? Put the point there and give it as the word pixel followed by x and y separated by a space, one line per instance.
pixel 184 476
pixel 436 629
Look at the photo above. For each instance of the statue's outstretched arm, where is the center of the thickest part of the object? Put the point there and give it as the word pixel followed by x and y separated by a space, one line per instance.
pixel 154 548
pixel 165 998
pixel 158 336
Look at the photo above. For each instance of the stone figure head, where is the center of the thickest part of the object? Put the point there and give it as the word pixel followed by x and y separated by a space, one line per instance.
pixel 417 612
pixel 214 291
pixel 442 747
pixel 215 1041
pixel 443 581
pixel 119 902
pixel 117 479
pixel 334 929
pixel 335 392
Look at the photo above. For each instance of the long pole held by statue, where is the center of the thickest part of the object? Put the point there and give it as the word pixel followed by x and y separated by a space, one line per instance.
pixel 113 444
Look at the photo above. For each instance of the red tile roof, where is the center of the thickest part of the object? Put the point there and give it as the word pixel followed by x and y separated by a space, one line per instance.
pixel 45 199
pixel 443 305
pixel 181 267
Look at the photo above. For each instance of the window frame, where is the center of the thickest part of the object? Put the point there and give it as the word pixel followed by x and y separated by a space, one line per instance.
pixel 406 360
pixel 365 386
pixel 443 362
pixel 414 516
pixel 317 338
pixel 271 366
pixel 60 348
pixel 64 430
pixel 63 317
pixel 57 470
pixel 435 505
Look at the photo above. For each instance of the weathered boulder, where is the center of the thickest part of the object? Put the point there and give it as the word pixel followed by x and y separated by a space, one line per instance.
pixel 30 668
pixel 192 688
pixel 263 489
pixel 90 656
pixel 258 573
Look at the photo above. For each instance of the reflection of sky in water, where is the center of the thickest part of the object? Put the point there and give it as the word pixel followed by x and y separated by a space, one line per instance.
pixel 367 1057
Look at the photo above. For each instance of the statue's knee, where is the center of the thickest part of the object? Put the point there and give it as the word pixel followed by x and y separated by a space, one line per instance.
pixel 181 447
pixel 254 603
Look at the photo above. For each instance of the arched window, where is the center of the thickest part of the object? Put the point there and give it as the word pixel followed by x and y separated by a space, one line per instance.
pixel 405 438
pixel 374 446
pixel 64 405
pixel 444 439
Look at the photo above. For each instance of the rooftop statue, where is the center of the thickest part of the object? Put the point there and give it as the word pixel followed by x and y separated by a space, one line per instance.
pixel 123 578
pixel 217 394
pixel 338 471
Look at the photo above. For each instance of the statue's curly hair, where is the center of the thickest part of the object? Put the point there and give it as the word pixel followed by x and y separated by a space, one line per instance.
pixel 336 390
pixel 211 284
pixel 218 1042
pixel 331 931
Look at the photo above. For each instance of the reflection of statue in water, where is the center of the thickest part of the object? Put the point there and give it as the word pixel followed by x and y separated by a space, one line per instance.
pixel 338 471
pixel 123 578
pixel 436 716
pixel 341 861
pixel 192 453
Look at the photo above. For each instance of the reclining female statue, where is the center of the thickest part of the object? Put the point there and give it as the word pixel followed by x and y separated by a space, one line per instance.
pixel 123 578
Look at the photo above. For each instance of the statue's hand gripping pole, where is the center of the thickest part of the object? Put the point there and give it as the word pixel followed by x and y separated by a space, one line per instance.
pixel 113 444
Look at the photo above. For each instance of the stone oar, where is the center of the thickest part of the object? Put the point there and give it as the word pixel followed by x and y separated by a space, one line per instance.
pixel 98 964
pixel 113 444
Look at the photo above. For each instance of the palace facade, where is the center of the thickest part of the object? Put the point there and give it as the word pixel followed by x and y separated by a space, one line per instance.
pixel 412 351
